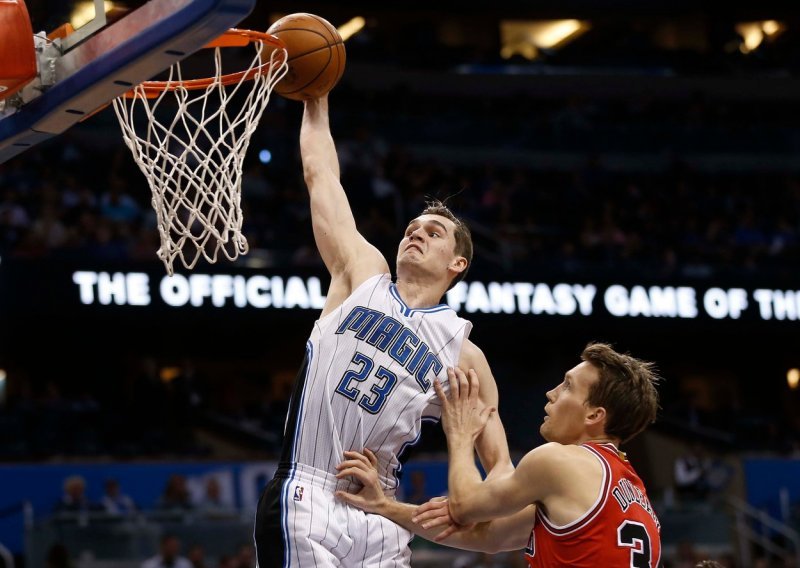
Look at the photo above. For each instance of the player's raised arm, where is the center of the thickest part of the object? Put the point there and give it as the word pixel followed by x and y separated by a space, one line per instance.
pixel 346 254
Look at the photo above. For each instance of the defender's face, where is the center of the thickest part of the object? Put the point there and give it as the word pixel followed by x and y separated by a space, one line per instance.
pixel 429 242
pixel 566 409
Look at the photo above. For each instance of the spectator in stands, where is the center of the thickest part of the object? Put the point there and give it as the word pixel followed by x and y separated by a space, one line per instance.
pixel 117 205
pixel 213 504
pixel 175 497
pixel 14 218
pixel 481 560
pixel 74 499
pixel 197 556
pixel 690 473
pixel 246 557
pixel 115 502
pixel 686 555
pixel 169 555
pixel 58 557
pixel 418 493
pixel 228 561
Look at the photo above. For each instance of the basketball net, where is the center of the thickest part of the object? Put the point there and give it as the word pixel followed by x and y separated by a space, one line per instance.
pixel 192 155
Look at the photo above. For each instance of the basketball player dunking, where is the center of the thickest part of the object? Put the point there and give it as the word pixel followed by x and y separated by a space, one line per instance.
pixel 575 501
pixel 367 378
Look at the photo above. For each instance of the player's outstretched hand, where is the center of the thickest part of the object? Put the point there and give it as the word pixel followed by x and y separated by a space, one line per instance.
pixel 362 468
pixel 436 513
pixel 463 413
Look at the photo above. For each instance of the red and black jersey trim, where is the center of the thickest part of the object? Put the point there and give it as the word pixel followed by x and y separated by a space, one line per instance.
pixel 590 515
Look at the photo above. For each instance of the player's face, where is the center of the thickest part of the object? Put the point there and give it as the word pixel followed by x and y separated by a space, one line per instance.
pixel 429 242
pixel 566 409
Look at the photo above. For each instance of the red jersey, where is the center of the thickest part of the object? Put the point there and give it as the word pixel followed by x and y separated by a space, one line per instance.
pixel 620 529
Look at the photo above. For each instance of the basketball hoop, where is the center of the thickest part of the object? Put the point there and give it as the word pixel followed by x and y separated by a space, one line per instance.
pixel 192 156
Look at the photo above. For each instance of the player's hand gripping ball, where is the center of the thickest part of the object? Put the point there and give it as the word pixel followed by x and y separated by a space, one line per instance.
pixel 315 54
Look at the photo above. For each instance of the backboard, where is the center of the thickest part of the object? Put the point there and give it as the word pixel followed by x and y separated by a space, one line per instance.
pixel 84 71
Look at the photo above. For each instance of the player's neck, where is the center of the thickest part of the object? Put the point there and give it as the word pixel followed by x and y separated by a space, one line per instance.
pixel 608 440
pixel 602 439
pixel 418 293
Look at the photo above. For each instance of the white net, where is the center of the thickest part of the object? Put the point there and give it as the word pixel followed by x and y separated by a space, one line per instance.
pixel 192 152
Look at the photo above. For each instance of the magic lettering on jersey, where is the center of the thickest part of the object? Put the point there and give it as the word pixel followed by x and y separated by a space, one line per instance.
pixel 626 494
pixel 398 341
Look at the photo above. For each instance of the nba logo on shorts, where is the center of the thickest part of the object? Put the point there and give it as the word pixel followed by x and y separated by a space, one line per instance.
pixel 298 493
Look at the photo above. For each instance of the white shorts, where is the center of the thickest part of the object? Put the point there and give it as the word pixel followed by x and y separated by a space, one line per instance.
pixel 301 524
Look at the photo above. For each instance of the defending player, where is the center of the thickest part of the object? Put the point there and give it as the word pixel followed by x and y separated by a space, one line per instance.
pixel 575 501
pixel 367 379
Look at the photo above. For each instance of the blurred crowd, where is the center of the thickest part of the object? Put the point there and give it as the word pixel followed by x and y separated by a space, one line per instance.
pixel 153 410
pixel 535 182
pixel 175 512
pixel 147 416
pixel 176 499
pixel 172 553
pixel 540 189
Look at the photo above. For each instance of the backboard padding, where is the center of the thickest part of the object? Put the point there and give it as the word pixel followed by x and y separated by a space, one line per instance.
pixel 131 50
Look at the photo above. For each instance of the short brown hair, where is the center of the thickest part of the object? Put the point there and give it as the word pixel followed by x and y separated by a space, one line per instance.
pixel 626 389
pixel 463 235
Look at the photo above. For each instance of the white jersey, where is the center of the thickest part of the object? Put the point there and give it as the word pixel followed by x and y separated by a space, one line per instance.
pixel 367 380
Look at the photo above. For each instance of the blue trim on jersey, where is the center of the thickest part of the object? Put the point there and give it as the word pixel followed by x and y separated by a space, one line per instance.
pixel 410 311
pixel 290 477
pixel 410 444
pixel 287 545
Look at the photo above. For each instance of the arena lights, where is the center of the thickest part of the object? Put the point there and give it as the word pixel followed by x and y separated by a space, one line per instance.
pixel 351 27
pixel 85 12
pixel 3 377
pixel 526 38
pixel 754 33
pixel 793 378
pixel 169 374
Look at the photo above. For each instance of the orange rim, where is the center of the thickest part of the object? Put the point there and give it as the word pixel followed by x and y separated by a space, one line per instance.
pixel 231 38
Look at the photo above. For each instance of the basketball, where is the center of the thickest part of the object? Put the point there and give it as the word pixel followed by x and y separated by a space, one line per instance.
pixel 316 56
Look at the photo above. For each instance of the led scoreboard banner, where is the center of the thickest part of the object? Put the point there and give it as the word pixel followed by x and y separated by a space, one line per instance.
pixel 527 298
pixel 34 288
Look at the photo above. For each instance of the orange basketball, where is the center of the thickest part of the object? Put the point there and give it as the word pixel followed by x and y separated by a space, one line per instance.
pixel 315 52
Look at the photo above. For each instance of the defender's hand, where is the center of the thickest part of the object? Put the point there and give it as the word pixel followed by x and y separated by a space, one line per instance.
pixel 463 413
pixel 362 468
pixel 436 513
